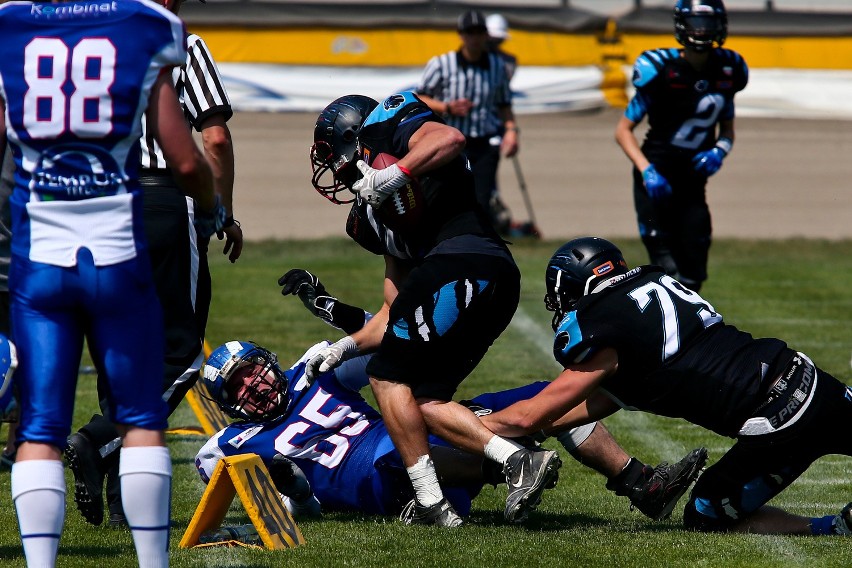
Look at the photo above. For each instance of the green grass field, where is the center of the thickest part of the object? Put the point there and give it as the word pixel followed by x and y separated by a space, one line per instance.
pixel 800 291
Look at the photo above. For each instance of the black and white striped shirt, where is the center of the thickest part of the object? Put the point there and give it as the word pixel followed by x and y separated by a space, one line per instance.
pixel 201 93
pixel 485 83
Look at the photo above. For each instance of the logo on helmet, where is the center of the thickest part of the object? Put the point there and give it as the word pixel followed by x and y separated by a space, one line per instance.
pixel 603 268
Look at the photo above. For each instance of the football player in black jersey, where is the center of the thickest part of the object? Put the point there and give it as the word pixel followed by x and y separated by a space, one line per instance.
pixel 451 287
pixel 639 339
pixel 688 96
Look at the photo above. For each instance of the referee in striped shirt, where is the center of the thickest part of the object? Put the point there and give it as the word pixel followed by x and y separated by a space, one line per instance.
pixel 179 265
pixel 469 88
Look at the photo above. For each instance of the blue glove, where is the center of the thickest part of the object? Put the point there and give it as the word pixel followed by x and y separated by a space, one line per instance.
pixel 709 162
pixel 208 223
pixel 656 185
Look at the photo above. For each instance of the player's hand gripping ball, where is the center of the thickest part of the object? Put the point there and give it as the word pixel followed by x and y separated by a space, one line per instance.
pixel 403 210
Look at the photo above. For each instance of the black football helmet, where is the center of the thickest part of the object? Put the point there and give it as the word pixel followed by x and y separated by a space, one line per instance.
pixel 574 268
pixel 336 147
pixel 244 379
pixel 700 23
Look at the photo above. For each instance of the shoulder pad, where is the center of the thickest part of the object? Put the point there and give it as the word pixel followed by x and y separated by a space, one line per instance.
pixel 391 106
pixel 649 64
pixel 734 64
pixel 568 344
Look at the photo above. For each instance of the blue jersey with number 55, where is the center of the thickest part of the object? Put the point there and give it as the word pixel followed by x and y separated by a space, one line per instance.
pixel 76 79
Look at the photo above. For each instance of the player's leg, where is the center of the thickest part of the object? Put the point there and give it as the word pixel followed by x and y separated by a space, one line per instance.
pixel 694 234
pixel 49 342
pixel 653 490
pixel 732 494
pixel 654 230
pixel 407 428
pixel 471 300
pixel 182 278
pixel 126 340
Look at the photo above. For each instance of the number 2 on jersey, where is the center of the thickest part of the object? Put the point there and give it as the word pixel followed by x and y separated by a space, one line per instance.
pixel 695 130
pixel 48 111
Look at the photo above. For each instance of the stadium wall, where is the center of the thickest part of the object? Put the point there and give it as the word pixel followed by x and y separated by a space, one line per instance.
pixel 345 36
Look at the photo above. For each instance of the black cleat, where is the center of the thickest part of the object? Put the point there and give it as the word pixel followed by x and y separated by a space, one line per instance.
pixel 117 521
pixel 843 521
pixel 440 514
pixel 528 473
pixel 663 486
pixel 88 480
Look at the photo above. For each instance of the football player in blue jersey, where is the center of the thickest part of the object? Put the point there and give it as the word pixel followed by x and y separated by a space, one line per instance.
pixel 688 96
pixel 451 287
pixel 326 448
pixel 337 448
pixel 347 457
pixel 639 339
pixel 76 78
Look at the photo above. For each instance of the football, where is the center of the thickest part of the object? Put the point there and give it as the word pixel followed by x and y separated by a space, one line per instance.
pixel 403 210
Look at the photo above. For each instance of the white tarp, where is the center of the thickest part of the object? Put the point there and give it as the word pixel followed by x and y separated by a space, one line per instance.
pixel 260 87
pixel 785 93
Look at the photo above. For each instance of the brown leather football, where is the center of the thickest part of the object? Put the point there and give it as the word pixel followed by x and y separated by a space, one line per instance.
pixel 402 210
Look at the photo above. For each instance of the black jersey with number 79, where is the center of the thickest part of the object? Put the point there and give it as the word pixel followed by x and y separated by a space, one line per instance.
pixel 676 357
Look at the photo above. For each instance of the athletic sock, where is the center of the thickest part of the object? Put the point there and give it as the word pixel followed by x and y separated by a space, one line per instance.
pixel 500 449
pixel 630 476
pixel 427 490
pixel 38 491
pixel 821 526
pixel 146 474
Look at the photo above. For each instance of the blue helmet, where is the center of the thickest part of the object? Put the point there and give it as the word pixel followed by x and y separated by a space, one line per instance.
pixel 700 23
pixel 573 270
pixel 8 364
pixel 246 382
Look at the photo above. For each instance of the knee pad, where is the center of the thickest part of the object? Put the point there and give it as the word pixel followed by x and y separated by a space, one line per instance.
pixel 573 438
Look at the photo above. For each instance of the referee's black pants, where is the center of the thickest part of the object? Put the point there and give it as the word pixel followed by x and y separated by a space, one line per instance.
pixel 182 278
pixel 484 161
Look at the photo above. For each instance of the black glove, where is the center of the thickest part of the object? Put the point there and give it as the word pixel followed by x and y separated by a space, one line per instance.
pixel 289 479
pixel 310 290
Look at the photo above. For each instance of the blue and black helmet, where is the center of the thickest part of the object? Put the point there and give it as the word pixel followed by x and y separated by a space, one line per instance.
pixel 700 23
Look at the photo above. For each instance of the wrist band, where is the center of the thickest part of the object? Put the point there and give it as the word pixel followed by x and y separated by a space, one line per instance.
pixel 230 222
pixel 725 144
pixel 404 170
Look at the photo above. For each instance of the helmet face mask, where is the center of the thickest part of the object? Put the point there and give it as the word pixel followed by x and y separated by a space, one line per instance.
pixel 246 382
pixel 336 148
pixel 573 270
pixel 699 24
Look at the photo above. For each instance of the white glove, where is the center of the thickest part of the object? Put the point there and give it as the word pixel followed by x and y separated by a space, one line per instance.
pixel 330 357
pixel 378 185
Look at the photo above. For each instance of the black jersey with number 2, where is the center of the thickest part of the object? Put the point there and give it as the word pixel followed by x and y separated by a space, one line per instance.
pixel 676 357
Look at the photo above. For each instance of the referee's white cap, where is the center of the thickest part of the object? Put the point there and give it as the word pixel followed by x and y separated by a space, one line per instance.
pixel 498 27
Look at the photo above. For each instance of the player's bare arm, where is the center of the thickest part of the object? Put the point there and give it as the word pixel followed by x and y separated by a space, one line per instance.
pixel 625 138
pixel 726 129
pixel 574 385
pixel 432 146
pixel 369 337
pixel 219 151
pixel 509 146
pixel 597 407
